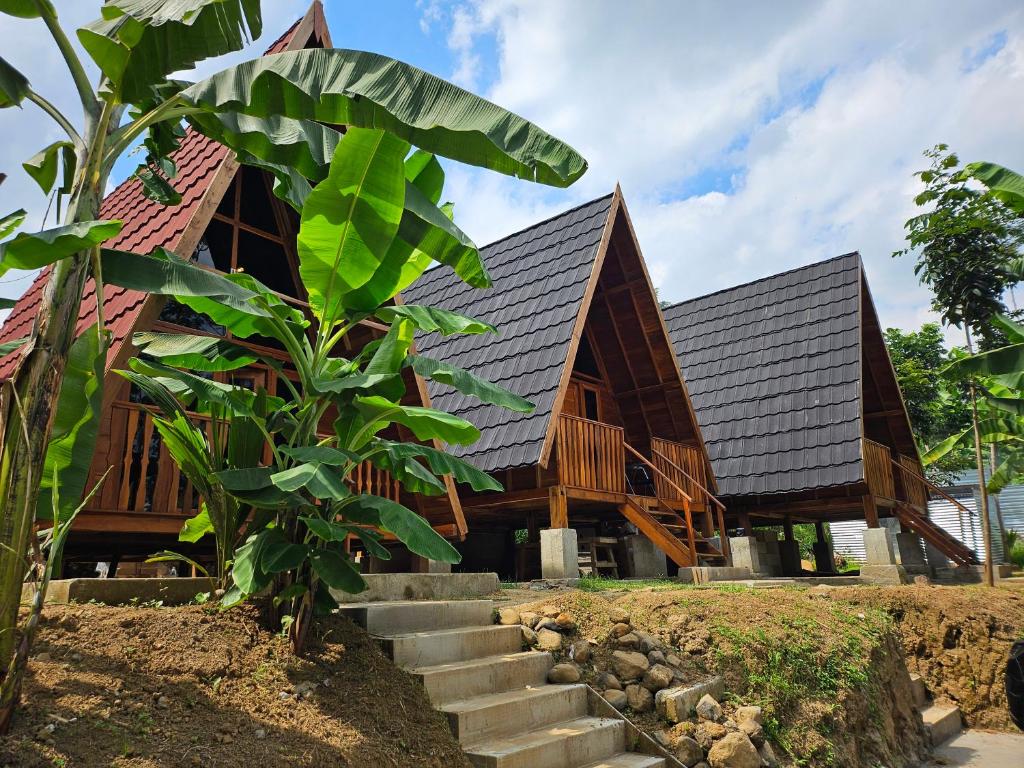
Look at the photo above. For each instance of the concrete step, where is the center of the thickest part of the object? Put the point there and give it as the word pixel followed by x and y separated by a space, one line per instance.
pixel 942 723
pixel 509 712
pixel 630 760
pixel 490 674
pixel 421 649
pixel 573 744
pixel 919 691
pixel 404 616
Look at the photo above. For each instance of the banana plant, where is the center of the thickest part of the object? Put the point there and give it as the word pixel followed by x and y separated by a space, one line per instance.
pixel 277 113
pixel 358 246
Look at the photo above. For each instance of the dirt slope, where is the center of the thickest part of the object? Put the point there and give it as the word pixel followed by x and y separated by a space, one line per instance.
pixel 148 687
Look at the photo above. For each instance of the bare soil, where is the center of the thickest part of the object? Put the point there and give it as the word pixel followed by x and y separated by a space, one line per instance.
pixel 188 686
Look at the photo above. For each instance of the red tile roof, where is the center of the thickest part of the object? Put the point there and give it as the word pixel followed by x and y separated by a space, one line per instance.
pixel 147 226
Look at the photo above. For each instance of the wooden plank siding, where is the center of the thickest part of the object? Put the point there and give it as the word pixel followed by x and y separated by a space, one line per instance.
pixel 591 455
pixel 878 470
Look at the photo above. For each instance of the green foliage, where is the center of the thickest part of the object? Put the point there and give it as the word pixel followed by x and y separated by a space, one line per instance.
pixel 13 86
pixel 32 250
pixel 1006 185
pixel 936 404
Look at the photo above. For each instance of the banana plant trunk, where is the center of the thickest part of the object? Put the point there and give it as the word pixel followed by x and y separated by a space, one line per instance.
pixel 26 414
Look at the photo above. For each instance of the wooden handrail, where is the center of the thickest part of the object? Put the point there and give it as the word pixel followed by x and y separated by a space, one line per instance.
pixel 666 478
pixel 689 477
pixel 929 484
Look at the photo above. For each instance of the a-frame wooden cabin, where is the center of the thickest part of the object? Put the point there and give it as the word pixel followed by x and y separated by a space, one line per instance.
pixel 799 403
pixel 228 221
pixel 613 438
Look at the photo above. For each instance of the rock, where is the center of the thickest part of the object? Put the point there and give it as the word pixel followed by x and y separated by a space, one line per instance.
pixel 767 754
pixel 639 698
pixel 162 702
pixel 709 709
pixel 528 619
pixel 564 622
pixel 629 665
pixel 529 636
pixel 549 611
pixel 696 647
pixel 657 677
pixel 620 629
pixel 630 640
pixel 648 642
pixel 546 624
pixel 708 733
pixel 656 657
pixel 662 738
pixel 688 751
pixel 508 616
pixel 562 674
pixel 754 732
pixel 616 698
pixel 75 657
pixel 580 652
pixel 260 734
pixel 549 640
pixel 749 713
pixel 618 616
pixel 734 751
pixel 42 657
pixel 730 724
pixel 676 704
pixel 673 661
pixel 608 681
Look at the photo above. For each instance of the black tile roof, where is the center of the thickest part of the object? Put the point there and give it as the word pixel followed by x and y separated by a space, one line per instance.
pixel 773 369
pixel 540 275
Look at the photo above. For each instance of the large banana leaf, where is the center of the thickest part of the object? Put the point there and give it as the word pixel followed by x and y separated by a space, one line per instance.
pixel 11 222
pixel 1014 331
pixel 434 319
pixel 322 481
pixel 246 319
pixel 75 424
pixel 440 462
pixel 367 90
pixel 42 166
pixel 998 362
pixel 351 218
pixel 138 43
pixel 469 384
pixel 390 355
pixel 411 529
pixel 1005 184
pixel 25 9
pixel 425 423
pixel 32 250
pixel 197 353
pixel 13 85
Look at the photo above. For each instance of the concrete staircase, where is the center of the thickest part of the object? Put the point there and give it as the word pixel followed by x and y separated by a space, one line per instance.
pixel 942 722
pixel 496 696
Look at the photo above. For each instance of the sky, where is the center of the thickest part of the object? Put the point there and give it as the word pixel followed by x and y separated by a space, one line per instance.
pixel 748 137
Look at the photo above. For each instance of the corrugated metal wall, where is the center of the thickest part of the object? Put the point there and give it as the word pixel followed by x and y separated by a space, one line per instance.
pixel 848 537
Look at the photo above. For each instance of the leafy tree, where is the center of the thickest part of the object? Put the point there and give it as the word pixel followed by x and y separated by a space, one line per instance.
pixel 964 246
pixel 277 113
pixel 937 406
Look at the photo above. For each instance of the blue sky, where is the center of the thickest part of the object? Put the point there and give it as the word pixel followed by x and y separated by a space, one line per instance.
pixel 748 137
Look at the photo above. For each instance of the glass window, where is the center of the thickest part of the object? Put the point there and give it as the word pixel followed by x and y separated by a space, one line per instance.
pixel 256 209
pixel 266 261
pixel 214 250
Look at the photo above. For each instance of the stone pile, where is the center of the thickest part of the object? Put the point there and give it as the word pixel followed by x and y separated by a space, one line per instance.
pixel 643 674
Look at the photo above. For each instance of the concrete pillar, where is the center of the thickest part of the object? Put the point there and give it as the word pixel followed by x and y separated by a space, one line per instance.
pixel 878 547
pixel 936 559
pixel 643 559
pixel 824 557
pixel 789 554
pixel 559 555
pixel 908 547
pixel 745 553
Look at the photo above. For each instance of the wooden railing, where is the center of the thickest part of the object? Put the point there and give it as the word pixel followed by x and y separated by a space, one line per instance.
pixel 144 478
pixel 591 455
pixel 678 492
pixel 915 489
pixel 878 470
pixel 684 466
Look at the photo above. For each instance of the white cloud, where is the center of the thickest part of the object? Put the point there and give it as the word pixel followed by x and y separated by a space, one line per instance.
pixel 809 117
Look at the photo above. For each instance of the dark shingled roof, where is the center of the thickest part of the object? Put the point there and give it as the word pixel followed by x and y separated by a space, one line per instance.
pixel 773 368
pixel 540 276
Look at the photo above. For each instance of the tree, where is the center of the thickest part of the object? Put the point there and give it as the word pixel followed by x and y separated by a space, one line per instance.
pixel 276 113
pixel 964 247
pixel 937 407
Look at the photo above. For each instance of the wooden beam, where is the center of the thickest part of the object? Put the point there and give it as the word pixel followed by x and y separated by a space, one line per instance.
pixel 891 413
pixel 870 510
pixel 558 507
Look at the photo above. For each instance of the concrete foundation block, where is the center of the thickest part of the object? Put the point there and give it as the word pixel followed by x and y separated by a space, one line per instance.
pixel 707 574
pixel 824 557
pixel 936 559
pixel 760 557
pixel 169 591
pixel 878 547
pixel 789 555
pixel 559 553
pixel 910 551
pixel 643 559
pixel 676 704
pixel 889 575
pixel 421 586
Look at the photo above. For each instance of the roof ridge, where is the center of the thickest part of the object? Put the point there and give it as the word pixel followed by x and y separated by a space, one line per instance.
pixel 762 279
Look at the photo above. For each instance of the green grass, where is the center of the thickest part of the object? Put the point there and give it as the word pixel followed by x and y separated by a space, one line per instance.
pixel 602 584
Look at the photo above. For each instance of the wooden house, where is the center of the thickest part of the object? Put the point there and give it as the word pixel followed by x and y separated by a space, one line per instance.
pixel 613 438
pixel 799 404
pixel 228 221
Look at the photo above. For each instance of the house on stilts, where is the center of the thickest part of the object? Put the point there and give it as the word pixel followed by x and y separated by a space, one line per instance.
pixel 613 446
pixel 803 417
pixel 228 220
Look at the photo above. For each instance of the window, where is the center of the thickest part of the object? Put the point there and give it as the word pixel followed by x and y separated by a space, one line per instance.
pixel 586 362
pixel 590 404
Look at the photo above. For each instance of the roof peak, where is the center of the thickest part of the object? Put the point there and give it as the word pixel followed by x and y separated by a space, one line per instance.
pixel 559 215
pixel 762 279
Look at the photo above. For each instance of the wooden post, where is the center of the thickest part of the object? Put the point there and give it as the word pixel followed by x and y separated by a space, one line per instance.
pixel 746 524
pixel 558 507
pixel 787 526
pixel 819 531
pixel 870 511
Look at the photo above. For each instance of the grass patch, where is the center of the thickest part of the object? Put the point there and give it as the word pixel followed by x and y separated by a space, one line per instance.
pixel 603 584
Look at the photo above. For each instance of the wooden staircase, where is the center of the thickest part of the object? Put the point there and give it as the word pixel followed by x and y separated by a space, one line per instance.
pixel 939 538
pixel 670 533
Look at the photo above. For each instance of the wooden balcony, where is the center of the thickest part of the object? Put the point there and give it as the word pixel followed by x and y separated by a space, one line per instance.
pixel 680 467
pixel 145 491
pixel 591 455
pixel 894 478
